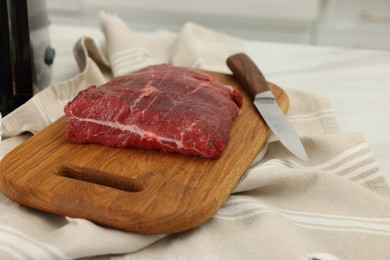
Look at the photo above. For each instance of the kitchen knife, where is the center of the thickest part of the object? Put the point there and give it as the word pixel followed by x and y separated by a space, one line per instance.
pixel 250 77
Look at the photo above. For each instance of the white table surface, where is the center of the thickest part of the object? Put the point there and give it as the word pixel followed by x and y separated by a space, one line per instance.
pixel 356 81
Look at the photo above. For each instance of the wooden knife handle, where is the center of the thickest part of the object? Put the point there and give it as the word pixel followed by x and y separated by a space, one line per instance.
pixel 247 74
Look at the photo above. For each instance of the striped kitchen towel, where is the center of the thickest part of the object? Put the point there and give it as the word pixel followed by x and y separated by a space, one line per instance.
pixel 336 206
pixel 128 51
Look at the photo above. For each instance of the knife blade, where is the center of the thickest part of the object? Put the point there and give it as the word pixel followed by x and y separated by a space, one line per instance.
pixel 250 77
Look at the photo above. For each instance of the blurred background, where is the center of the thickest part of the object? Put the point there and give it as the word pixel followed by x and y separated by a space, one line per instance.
pixel 346 23
pixel 33 54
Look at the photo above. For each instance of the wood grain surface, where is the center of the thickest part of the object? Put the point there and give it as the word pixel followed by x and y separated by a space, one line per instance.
pixel 135 190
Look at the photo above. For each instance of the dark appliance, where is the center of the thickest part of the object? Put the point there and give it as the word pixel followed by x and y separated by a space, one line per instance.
pixel 25 52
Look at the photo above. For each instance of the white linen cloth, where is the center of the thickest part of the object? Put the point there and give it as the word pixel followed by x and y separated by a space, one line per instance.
pixel 337 206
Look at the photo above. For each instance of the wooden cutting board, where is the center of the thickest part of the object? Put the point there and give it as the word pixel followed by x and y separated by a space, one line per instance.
pixel 132 189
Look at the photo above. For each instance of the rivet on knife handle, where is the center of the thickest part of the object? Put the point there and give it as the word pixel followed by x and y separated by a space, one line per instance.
pixel 247 73
pixel 250 77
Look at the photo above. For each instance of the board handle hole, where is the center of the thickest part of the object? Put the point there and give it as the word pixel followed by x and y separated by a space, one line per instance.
pixel 101 178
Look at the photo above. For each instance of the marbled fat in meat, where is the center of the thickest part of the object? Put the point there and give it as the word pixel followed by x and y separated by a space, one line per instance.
pixel 162 107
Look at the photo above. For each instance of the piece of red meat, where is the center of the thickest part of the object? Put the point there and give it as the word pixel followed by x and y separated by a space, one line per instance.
pixel 163 107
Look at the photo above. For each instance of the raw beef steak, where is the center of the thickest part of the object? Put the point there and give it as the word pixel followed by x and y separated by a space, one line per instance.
pixel 173 109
